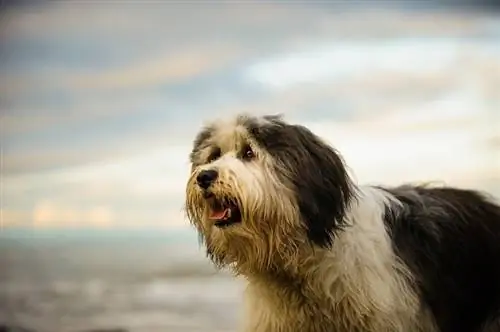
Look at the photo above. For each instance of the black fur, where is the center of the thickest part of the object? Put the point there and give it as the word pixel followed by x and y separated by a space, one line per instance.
pixel 313 168
pixel 450 239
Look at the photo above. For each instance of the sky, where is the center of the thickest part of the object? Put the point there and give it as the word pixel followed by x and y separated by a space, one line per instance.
pixel 101 100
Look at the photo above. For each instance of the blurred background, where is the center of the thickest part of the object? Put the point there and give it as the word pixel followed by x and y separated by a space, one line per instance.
pixel 100 102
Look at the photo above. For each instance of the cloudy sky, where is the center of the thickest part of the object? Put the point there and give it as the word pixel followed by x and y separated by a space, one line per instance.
pixel 101 100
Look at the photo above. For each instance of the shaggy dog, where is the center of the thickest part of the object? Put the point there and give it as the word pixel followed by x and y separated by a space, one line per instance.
pixel 275 204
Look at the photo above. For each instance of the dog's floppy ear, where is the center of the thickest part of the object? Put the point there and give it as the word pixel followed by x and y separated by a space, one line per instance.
pixel 203 135
pixel 315 170
pixel 322 184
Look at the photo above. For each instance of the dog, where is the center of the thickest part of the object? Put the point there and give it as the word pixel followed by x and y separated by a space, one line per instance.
pixel 274 203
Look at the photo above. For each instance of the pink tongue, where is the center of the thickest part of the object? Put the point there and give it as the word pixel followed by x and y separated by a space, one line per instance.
pixel 219 215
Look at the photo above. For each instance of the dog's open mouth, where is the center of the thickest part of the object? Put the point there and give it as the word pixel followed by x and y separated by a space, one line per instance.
pixel 224 212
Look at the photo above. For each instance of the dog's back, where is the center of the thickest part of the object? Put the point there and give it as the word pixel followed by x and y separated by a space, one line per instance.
pixel 450 240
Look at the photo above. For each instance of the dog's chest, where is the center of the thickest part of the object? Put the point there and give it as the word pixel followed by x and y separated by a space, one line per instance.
pixel 282 314
pixel 279 310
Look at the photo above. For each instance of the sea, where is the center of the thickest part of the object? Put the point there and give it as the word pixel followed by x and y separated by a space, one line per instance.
pixel 136 281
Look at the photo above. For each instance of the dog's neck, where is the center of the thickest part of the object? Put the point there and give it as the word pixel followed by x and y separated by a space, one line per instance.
pixel 300 279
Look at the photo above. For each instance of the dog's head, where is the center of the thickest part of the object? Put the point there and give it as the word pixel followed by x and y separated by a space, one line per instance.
pixel 260 189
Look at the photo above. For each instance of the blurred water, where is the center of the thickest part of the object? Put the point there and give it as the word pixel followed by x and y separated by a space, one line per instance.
pixel 58 283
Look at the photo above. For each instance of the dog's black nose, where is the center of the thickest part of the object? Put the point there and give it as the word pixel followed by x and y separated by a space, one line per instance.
pixel 205 178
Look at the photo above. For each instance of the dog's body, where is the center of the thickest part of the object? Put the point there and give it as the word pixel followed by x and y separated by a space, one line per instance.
pixel 320 253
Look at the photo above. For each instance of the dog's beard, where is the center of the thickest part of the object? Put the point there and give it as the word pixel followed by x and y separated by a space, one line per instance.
pixel 248 230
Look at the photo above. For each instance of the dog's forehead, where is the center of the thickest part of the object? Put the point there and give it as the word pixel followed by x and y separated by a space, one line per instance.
pixel 227 134
pixel 230 133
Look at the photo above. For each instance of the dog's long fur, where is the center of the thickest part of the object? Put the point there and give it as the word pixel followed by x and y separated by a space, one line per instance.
pixel 322 253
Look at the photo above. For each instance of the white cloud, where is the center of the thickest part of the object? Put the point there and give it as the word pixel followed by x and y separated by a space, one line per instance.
pixel 169 163
pixel 48 214
pixel 352 58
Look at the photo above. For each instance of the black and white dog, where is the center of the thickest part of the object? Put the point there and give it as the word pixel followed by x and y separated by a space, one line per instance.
pixel 274 203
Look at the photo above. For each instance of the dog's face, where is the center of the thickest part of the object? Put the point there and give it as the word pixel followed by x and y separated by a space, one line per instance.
pixel 261 188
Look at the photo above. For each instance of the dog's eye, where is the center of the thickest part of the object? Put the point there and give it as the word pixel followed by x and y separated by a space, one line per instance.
pixel 248 153
pixel 214 155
